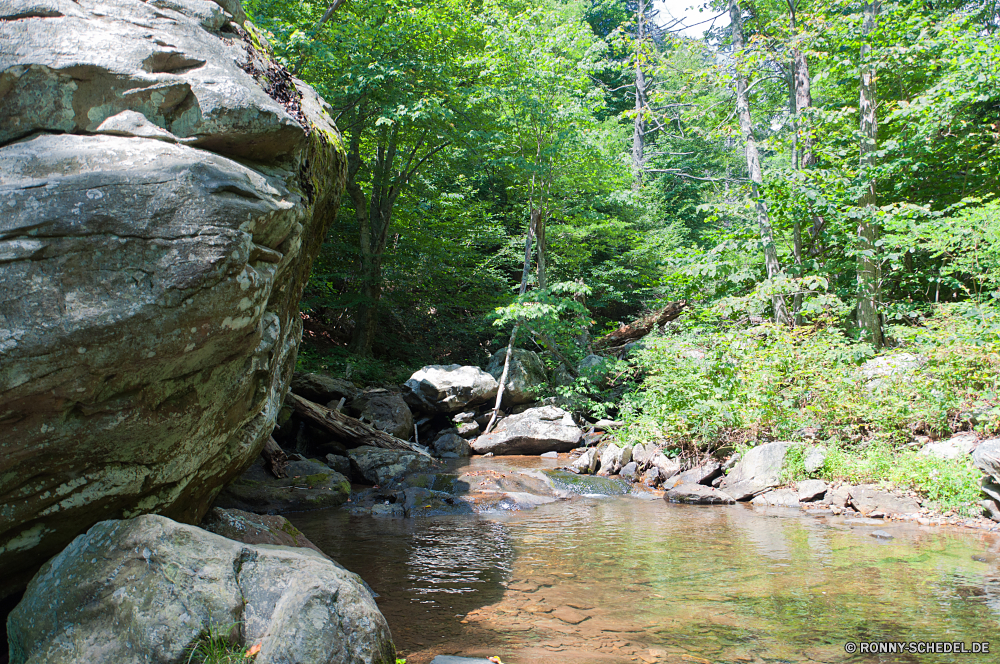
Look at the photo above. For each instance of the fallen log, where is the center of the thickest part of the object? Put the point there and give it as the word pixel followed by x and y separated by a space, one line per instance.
pixel 276 459
pixel 640 327
pixel 347 428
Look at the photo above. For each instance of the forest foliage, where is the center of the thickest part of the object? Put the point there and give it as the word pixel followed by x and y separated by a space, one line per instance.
pixel 623 150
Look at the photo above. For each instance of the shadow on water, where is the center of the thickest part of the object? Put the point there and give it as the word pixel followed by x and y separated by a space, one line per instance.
pixel 621 579
pixel 425 571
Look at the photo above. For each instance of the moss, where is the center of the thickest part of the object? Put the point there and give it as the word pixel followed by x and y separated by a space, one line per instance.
pixel 318 478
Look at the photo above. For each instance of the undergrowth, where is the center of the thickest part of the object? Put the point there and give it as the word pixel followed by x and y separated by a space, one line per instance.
pixel 706 387
pixel 219 644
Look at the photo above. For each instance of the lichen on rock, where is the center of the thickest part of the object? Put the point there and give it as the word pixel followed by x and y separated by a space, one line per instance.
pixel 161 212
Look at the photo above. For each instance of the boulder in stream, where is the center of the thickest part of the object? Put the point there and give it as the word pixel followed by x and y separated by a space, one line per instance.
pixel 147 589
pixel 873 502
pixel 759 470
pixel 380 466
pixel 537 430
pixel 697 494
pixel 614 458
pixel 309 485
pixel 255 529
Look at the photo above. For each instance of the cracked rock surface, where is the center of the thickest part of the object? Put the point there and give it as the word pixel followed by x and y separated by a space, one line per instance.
pixel 146 589
pixel 159 213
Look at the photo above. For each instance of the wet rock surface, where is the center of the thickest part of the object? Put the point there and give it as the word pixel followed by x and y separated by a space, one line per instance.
pixel 310 485
pixel 379 466
pixel 697 494
pixel 161 213
pixel 169 583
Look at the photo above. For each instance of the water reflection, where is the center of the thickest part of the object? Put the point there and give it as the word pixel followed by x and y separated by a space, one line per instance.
pixel 620 579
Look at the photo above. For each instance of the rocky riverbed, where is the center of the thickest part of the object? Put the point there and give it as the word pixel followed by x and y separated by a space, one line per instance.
pixel 615 574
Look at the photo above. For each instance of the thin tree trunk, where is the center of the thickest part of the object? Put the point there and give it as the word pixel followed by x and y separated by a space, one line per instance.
pixel 639 127
pixel 538 225
pixel 869 269
pixel 753 166
pixel 334 6
pixel 513 335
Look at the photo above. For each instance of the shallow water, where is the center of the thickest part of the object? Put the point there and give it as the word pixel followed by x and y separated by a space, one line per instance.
pixel 624 578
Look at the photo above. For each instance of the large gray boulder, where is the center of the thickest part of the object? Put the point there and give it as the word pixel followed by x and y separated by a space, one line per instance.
pixel 145 590
pixel 380 466
pixel 525 375
pixel 986 456
pixel 447 388
pixel 322 388
pixel 871 501
pixel 535 431
pixel 161 211
pixel 758 470
pixel 451 446
pixel 386 411
pixel 697 494
pixel 251 528
pixel 958 446
pixel 614 458
pixel 310 485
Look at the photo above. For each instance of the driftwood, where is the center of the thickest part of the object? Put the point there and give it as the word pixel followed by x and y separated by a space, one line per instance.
pixel 276 459
pixel 640 327
pixel 347 428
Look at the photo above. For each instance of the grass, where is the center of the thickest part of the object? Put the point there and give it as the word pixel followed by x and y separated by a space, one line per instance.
pixel 219 645
pixel 948 485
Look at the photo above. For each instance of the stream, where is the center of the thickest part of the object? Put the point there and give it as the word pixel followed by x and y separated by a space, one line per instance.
pixel 630 578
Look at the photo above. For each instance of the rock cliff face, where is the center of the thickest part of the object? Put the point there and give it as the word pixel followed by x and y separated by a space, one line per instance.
pixel 163 190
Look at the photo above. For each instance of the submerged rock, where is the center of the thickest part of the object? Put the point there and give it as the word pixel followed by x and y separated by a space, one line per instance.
pixel 148 588
pixel 439 388
pixel 534 431
pixel 310 485
pixel 525 375
pixel 759 470
pixel 160 215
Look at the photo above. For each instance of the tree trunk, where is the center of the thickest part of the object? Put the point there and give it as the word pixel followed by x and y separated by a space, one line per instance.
pixel 374 215
pixel 513 335
pixel 639 127
pixel 753 166
pixel 803 153
pixel 347 428
pixel 869 269
pixel 538 225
